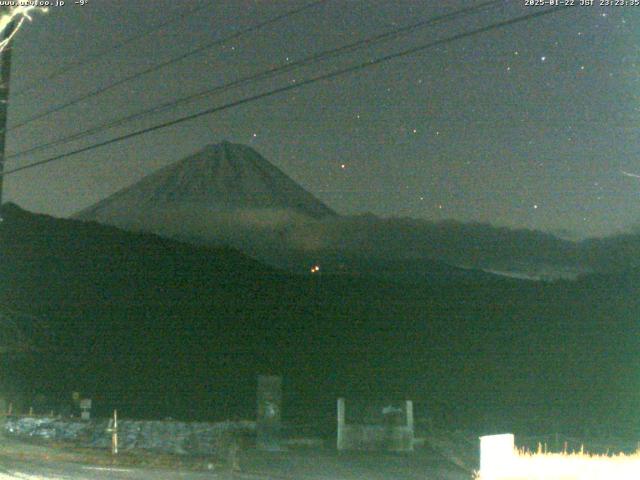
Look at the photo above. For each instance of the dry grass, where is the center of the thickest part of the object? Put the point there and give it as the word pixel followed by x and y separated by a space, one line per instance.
pixel 568 466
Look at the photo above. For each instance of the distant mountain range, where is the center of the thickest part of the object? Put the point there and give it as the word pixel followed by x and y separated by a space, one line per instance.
pixel 228 194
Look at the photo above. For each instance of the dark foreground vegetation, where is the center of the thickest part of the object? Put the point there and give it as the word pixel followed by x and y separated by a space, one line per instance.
pixel 160 328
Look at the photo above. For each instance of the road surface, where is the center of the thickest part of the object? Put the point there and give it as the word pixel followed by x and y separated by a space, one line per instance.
pixel 23 461
pixel 302 467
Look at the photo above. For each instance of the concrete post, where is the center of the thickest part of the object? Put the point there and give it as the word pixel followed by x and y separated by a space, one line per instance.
pixel 497 454
pixel 341 423
pixel 411 433
pixel 268 424
pixel 85 409
pixel 409 409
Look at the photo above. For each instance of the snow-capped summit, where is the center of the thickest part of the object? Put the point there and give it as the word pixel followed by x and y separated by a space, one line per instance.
pixel 225 179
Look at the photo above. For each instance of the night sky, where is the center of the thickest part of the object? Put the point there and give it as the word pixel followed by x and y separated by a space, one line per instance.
pixel 531 125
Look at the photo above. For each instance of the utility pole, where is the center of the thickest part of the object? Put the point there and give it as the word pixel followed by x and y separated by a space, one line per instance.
pixel 5 77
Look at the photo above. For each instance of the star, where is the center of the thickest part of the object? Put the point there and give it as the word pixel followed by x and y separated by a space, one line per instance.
pixel 343 166
pixel 543 59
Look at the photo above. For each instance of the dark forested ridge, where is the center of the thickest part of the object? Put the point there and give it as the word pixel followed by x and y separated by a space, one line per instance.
pixel 156 327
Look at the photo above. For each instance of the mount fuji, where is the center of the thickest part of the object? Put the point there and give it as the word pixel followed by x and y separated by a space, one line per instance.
pixel 224 189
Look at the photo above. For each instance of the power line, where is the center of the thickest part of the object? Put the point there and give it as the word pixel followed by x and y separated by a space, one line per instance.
pixel 320 56
pixel 160 66
pixel 286 88
pixel 97 55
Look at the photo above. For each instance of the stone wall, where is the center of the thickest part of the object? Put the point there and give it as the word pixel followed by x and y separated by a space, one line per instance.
pixel 166 436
